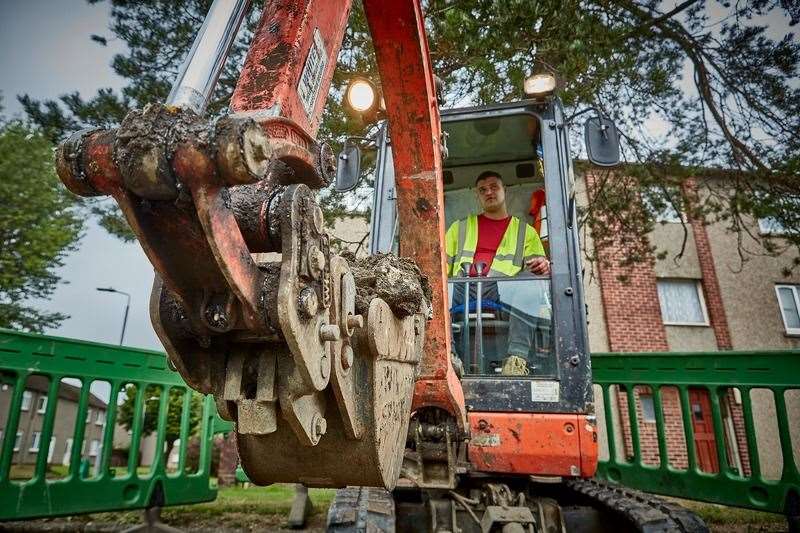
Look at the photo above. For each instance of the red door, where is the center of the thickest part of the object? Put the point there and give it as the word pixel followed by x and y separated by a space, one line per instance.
pixel 705 444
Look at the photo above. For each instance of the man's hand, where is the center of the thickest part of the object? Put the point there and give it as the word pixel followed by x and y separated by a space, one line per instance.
pixel 538 265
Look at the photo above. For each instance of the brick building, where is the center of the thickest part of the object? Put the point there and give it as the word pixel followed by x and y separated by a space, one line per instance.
pixel 707 300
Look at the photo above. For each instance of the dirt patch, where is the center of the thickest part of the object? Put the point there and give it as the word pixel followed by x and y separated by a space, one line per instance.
pixel 145 142
pixel 396 280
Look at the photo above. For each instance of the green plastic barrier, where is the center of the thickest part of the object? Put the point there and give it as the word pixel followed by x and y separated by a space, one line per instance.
pixel 710 379
pixel 109 488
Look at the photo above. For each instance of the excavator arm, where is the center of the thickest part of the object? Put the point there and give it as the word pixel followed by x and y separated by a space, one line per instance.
pixel 320 394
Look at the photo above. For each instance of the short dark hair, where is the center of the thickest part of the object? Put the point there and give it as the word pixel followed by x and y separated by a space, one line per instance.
pixel 488 174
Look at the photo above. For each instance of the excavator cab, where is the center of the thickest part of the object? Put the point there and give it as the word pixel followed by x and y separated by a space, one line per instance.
pixel 519 342
pixel 519 345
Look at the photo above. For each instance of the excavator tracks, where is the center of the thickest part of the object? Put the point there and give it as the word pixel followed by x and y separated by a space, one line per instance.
pixel 361 509
pixel 643 512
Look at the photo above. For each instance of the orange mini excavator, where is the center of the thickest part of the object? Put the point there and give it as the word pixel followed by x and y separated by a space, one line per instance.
pixel 415 415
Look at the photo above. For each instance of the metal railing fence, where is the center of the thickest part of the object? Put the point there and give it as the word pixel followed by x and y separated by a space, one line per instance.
pixel 720 427
pixel 153 401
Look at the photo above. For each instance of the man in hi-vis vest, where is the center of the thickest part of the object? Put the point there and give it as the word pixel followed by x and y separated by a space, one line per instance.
pixel 495 243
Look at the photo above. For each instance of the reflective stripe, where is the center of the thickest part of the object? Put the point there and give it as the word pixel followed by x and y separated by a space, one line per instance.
pixel 521 230
pixel 462 237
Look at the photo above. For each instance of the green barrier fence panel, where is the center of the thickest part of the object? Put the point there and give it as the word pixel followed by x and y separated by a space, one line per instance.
pixel 720 427
pixel 95 485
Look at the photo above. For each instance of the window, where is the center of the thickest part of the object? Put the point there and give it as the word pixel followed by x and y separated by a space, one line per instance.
pixel 41 404
pixel 67 452
pixel 789 302
pixel 88 415
pixel 37 436
pixel 661 207
pixel 51 450
pixel 682 302
pixel 648 408
pixel 18 441
pixel 94 448
pixel 101 418
pixel 27 398
pixel 771 226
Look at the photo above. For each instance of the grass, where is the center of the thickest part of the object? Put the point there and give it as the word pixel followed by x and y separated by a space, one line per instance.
pixel 266 508
pixel 722 515
pixel 255 508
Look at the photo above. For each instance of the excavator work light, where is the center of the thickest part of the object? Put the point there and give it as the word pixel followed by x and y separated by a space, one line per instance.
pixel 539 84
pixel 361 96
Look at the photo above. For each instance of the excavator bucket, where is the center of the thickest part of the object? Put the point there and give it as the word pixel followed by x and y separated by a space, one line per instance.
pixel 250 300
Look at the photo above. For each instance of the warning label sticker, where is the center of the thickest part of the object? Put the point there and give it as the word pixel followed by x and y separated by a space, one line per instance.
pixel 485 440
pixel 313 70
pixel 545 391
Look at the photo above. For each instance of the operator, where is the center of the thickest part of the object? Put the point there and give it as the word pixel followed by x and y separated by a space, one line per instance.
pixel 501 242
pixel 495 243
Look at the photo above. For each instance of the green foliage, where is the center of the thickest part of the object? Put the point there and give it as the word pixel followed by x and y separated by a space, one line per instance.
pixel 152 400
pixel 630 59
pixel 39 225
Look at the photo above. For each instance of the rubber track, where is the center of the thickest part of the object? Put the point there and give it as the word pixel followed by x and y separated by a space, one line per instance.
pixel 361 510
pixel 648 514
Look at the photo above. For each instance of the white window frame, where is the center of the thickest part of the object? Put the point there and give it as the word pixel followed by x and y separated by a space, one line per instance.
pixel 18 441
pixel 94 448
pixel 67 453
pixel 41 404
pixel 27 400
pixel 88 415
pixel 51 450
pixel 796 292
pixel 699 288
pixel 100 419
pixel 35 441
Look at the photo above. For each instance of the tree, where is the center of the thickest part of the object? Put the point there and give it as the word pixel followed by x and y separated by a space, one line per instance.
pixel 39 225
pixel 152 400
pixel 733 126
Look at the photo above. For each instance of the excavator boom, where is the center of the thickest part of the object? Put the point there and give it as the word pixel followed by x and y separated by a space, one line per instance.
pixel 314 385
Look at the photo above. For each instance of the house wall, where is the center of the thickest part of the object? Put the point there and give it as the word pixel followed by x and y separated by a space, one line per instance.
pixel 671 237
pixel 598 339
pixel 63 427
pixel 748 292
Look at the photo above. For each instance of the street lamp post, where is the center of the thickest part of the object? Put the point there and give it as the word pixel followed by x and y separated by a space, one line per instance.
pixel 127 308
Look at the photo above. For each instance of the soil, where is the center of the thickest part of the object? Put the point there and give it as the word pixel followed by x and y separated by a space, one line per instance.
pixel 396 280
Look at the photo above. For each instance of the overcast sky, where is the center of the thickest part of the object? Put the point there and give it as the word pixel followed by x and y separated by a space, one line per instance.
pixel 45 51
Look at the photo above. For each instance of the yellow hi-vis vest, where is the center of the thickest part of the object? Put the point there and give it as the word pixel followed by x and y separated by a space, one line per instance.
pixel 520 242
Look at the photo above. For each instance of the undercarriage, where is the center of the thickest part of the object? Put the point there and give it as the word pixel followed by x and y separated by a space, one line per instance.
pixel 517 505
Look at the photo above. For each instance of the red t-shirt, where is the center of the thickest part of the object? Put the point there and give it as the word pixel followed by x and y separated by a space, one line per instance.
pixel 490 233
